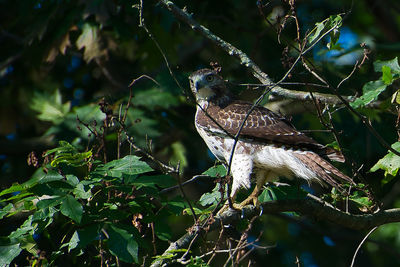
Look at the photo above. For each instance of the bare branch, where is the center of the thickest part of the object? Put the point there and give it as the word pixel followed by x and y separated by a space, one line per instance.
pixel 244 59
pixel 312 207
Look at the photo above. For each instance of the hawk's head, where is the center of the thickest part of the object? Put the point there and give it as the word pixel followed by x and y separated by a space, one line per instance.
pixel 207 85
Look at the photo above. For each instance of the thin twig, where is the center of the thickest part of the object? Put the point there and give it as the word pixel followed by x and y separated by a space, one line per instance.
pixel 191 180
pixel 143 25
pixel 361 243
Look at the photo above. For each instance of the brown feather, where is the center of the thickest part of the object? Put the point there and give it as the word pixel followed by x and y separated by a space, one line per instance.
pixel 263 125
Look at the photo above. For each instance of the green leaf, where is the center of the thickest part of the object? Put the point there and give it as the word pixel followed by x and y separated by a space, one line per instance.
pixel 371 91
pixel 393 64
pixel 142 125
pixel 387 76
pixel 14 188
pixel 5 210
pixel 155 97
pixel 179 155
pixel 334 21
pixel 162 181
pixel 213 197
pixel 82 237
pixel 319 27
pixel 282 192
pixel 176 206
pixel 197 211
pixel 68 154
pixel 50 106
pixel 389 163
pixel 71 208
pixel 80 192
pixel 27 228
pixel 335 34
pixel 122 244
pixel 128 165
pixel 216 171
pixel 362 201
pixel 8 253
pixel 163 231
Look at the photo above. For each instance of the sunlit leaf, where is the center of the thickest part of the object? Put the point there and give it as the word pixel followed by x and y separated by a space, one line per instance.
pixel 213 197
pixel 393 64
pixel 67 153
pixel 371 91
pixel 128 165
pixel 334 21
pixel 8 253
pixel 387 76
pixel 90 40
pixel 50 106
pixel 5 210
pixel 389 163
pixel 216 171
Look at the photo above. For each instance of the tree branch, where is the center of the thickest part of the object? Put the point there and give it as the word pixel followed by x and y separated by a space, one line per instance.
pixel 184 16
pixel 310 207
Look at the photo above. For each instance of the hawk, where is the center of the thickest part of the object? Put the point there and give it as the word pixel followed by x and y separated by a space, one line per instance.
pixel 268 146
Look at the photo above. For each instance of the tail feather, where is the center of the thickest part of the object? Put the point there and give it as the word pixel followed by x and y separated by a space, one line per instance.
pixel 324 170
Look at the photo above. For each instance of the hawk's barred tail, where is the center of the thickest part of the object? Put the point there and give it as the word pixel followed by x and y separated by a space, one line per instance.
pixel 323 169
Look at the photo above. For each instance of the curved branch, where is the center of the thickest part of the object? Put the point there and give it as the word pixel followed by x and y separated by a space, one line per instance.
pixel 310 207
pixel 184 16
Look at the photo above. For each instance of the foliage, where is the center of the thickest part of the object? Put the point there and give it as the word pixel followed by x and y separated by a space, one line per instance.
pixel 109 152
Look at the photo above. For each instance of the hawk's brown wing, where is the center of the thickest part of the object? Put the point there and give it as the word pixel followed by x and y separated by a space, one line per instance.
pixel 262 125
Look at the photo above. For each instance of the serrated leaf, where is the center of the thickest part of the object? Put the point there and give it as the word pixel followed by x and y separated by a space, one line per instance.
pixel 393 64
pixel 213 197
pixel 90 41
pixel 122 244
pixel 216 171
pixel 68 154
pixel 389 163
pixel 128 165
pixel 71 208
pixel 387 76
pixel 50 106
pixel 371 91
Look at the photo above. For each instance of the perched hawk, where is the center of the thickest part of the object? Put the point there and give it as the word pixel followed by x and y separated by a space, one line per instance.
pixel 268 146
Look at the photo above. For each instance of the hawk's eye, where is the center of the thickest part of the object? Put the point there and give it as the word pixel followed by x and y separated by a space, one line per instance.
pixel 210 78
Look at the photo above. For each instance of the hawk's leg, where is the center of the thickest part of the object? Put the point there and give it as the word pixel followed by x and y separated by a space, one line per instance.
pixel 261 178
pixel 242 167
